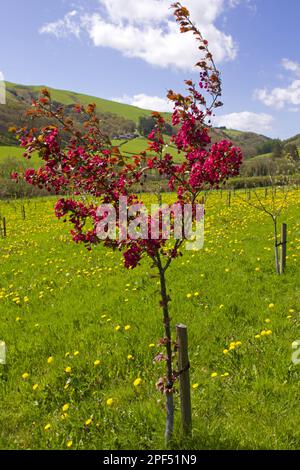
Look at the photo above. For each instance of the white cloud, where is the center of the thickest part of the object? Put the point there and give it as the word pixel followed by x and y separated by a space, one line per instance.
pixel 154 103
pixel 62 28
pixel 246 121
pixel 145 29
pixel 290 65
pixel 280 97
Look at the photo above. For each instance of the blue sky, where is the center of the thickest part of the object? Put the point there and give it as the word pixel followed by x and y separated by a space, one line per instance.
pixel 130 50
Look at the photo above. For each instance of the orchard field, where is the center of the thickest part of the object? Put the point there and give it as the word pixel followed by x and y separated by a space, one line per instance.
pixel 82 332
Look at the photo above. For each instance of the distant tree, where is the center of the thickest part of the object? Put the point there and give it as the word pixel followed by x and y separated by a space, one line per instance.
pixel 267 147
pixel 147 123
pixel 291 151
pixel 277 151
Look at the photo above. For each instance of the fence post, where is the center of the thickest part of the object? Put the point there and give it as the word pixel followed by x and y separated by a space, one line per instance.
pixel 4 227
pixel 184 378
pixel 283 248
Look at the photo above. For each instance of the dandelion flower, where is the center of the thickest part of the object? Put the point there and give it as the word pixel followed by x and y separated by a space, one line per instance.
pixel 221 306
pixel 130 357
pixel 267 320
pixel 47 427
pixel 257 336
pixel 25 376
pixel 88 422
pixel 68 370
pixel 50 360
pixel 189 296
pixel 117 328
pixel 151 345
pixel 127 327
pixel 214 374
pixel 269 332
pixel 66 407
pixel 271 306
pixel 226 351
pixel 195 386
pixel 69 444
pixel 97 362
pixel 35 387
pixel 137 382
pixel 109 402
pixel 76 353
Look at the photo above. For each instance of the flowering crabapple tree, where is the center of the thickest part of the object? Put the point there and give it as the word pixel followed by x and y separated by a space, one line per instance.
pixel 82 161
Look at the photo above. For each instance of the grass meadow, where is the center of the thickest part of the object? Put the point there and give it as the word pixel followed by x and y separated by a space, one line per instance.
pixel 80 329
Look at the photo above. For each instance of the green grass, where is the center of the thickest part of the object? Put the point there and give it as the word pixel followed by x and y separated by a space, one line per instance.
pixel 76 299
pixel 17 152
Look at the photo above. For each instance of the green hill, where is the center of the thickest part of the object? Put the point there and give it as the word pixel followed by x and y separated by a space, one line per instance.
pixel 117 117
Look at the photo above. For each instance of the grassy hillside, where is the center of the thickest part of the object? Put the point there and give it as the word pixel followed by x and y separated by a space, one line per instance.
pixel 15 92
pixel 19 98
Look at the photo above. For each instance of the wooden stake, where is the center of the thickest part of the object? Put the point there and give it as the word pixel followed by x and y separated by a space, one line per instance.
pixel 229 198
pixel 184 378
pixel 4 227
pixel 283 248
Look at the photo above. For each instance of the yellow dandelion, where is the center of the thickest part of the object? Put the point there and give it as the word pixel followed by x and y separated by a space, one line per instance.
pixel 66 407
pixel 221 306
pixel 130 357
pixel 127 327
pixel 110 401
pixel 195 386
pixel 47 427
pixel 291 310
pixel 25 376
pixel 268 332
pixel 151 345
pixel 214 374
pixel 68 370
pixel 267 320
pixel 35 387
pixel 238 343
pixel 196 294
pixel 117 328
pixel 76 353
pixel 271 306
pixel 225 351
pixel 257 336
pixel 263 333
pixel 88 422
pixel 189 296
pixel 69 444
pixel 97 362
pixel 50 360
pixel 137 382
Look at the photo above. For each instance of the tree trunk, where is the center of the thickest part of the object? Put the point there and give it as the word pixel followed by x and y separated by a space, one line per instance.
pixel 170 379
pixel 276 244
